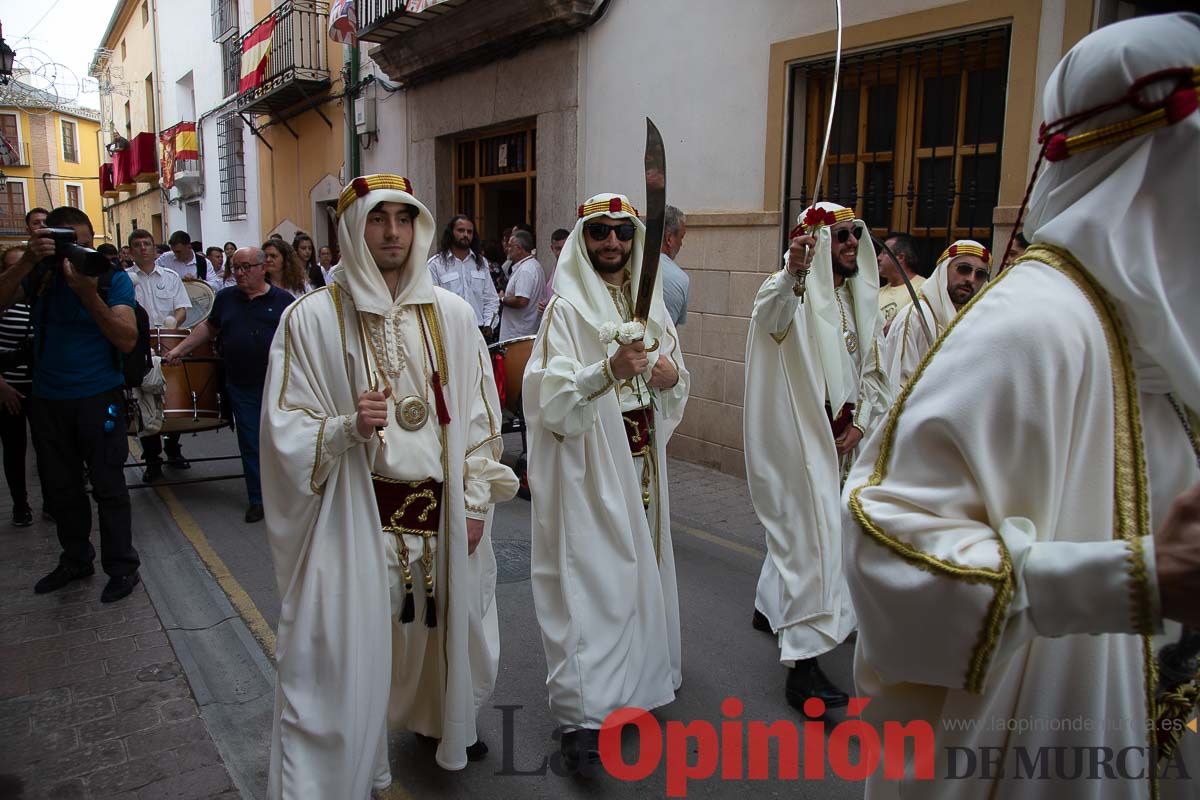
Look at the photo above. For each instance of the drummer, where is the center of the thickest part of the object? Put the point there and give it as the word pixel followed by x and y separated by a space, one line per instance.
pixel 160 291
pixel 246 316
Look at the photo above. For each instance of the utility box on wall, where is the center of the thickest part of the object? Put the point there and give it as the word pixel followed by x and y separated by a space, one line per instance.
pixel 364 113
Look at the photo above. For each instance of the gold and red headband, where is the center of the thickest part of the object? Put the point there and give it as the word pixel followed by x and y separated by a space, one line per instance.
pixel 613 205
pixel 1173 108
pixel 362 186
pixel 816 217
pixel 966 249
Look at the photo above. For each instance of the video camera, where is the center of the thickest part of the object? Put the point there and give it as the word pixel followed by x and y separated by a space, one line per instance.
pixel 84 259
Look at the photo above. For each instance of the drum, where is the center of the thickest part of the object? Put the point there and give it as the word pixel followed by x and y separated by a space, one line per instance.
pixel 202 297
pixel 192 397
pixel 514 355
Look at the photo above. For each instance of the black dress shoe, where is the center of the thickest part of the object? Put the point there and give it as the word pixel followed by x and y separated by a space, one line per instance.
pixel 177 461
pixel 61 576
pixel 806 680
pixel 152 473
pixel 22 517
pixel 581 752
pixel 119 586
pixel 477 751
pixel 761 623
pixel 254 513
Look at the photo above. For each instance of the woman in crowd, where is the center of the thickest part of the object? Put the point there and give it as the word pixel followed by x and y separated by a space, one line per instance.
pixel 222 276
pixel 284 268
pixel 307 253
pixel 16 383
pixel 325 261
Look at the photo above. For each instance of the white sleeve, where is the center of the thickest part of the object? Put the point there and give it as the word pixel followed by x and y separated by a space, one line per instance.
pixel 776 303
pixel 568 390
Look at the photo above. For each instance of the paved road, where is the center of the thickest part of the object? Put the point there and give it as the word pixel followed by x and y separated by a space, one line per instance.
pixel 718 551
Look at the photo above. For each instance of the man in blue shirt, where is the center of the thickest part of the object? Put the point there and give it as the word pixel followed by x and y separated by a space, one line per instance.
pixel 246 317
pixel 82 327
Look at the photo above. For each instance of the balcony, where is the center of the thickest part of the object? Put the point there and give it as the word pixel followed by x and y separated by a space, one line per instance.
pixel 14 154
pixel 453 36
pixel 380 20
pixel 297 63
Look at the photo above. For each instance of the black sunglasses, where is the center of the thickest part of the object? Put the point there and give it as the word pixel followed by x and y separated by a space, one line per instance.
pixel 965 270
pixel 598 231
pixel 844 234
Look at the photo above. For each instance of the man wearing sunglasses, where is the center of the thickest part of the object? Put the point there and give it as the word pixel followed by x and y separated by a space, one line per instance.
pixel 600 413
pixel 814 388
pixel 961 273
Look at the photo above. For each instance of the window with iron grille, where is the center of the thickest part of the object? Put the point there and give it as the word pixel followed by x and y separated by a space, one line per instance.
pixel 233 167
pixel 224 19
pixel 231 64
pixel 916 140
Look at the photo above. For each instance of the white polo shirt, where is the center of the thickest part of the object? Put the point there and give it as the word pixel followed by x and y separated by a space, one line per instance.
pixel 184 269
pixel 527 280
pixel 160 293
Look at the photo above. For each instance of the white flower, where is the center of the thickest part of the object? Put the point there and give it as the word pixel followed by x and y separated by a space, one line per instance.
pixel 608 332
pixel 631 332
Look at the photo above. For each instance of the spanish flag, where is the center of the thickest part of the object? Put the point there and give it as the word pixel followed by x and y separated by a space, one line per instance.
pixel 256 51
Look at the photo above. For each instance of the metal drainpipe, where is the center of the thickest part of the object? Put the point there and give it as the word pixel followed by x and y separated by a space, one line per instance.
pixel 353 156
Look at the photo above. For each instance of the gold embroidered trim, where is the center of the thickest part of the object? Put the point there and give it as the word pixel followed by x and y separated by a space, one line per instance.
pixel 435 333
pixel 477 509
pixel 779 337
pixel 491 438
pixel 312 478
pixel 609 380
pixel 545 331
pixel 483 376
pixel 1001 580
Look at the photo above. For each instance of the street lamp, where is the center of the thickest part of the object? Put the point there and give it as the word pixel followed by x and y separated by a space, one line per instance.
pixel 3 179
pixel 6 60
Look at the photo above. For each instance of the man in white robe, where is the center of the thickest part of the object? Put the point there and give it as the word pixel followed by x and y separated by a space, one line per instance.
pixel 1021 524
pixel 962 270
pixel 380 465
pixel 814 387
pixel 600 414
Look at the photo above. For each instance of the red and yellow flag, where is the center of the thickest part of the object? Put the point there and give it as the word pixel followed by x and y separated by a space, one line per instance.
pixel 256 51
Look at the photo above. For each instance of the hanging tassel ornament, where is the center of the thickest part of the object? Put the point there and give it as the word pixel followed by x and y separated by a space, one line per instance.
pixel 430 604
pixel 439 400
pixel 408 611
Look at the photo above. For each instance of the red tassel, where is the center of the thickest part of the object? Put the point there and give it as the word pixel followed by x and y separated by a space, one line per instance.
pixel 439 399
pixel 1056 148
pixel 1180 104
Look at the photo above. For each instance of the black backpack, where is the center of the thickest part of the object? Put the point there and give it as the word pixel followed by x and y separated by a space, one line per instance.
pixel 137 362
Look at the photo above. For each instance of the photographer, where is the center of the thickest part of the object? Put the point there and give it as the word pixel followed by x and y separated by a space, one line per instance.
pixel 82 324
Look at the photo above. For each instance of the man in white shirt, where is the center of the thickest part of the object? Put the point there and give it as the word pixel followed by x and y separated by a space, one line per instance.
pixel 181 258
pixel 675 280
pixel 161 292
pixel 524 291
pixel 459 266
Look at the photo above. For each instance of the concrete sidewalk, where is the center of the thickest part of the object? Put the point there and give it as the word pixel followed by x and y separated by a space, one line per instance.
pixel 93 699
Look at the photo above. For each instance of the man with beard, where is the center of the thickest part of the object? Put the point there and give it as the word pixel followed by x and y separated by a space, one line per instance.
pixel 459 266
pixel 961 273
pixel 380 463
pixel 600 411
pixel 1029 513
pixel 815 387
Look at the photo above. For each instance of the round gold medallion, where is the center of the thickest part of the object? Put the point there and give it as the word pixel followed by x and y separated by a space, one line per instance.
pixel 411 412
pixel 851 341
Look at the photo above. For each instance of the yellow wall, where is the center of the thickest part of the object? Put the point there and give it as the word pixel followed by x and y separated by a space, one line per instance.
pixel 145 201
pixel 41 137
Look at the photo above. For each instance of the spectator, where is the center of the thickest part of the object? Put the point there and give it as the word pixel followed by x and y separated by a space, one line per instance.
pixel 459 266
pixel 216 260
pixel 675 281
pixel 110 252
pixel 246 318
pixel 16 347
pixel 182 258
pixel 126 259
pixel 307 253
pixel 325 262
pixel 284 268
pixel 161 292
pixel 230 248
pixel 525 287
pixel 557 240
pixel 35 219
pixel 893 294
pixel 81 328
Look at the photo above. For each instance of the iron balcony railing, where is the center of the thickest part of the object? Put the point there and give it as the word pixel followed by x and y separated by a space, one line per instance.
pixel 376 17
pixel 17 156
pixel 298 61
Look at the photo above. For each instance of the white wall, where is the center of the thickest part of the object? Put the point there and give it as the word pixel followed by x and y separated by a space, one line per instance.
pixel 699 69
pixel 186 45
pixel 388 151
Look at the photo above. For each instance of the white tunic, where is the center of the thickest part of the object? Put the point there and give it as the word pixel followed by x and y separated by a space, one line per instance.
pixel 793 468
pixel 998 570
pixel 344 660
pixel 603 566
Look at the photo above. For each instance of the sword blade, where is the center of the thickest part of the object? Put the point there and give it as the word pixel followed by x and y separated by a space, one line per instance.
pixel 837 71
pixel 656 205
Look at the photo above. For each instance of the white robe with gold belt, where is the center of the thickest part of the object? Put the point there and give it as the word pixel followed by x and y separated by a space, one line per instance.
pixel 603 566
pixel 345 663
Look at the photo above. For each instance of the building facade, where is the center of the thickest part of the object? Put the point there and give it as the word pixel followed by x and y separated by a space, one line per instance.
pixel 516 110
pixel 126 65
pixel 214 191
pixel 49 157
